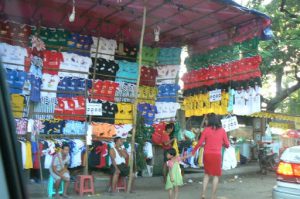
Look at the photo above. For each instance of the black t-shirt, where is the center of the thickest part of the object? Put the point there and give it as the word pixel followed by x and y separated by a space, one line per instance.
pixel 109 111
pixel 129 53
pixel 105 69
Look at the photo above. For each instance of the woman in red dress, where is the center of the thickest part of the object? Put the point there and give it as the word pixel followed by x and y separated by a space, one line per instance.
pixel 214 137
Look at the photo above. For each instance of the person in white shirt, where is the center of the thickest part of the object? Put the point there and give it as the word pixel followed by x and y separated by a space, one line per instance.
pixel 59 170
pixel 118 157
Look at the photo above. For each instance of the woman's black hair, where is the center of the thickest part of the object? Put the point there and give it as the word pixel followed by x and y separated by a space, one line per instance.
pixel 170 126
pixel 214 121
pixel 65 145
pixel 172 152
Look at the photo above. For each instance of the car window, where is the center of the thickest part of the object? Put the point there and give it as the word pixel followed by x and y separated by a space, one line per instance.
pixel 291 155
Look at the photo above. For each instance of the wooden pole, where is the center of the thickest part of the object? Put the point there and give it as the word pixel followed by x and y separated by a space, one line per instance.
pixel 134 110
pixel 86 168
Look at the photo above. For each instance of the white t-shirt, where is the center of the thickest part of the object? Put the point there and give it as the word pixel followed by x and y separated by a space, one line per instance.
pixel 75 63
pixel 13 55
pixel 49 154
pixel 239 103
pixel 76 153
pixel 106 48
pixel 50 82
pixel 249 92
pixel 123 130
pixel 23 151
pixel 256 101
pixel 166 109
pixel 167 74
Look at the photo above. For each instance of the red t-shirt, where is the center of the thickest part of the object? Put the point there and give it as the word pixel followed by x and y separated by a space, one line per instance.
pixel 51 62
pixel 214 140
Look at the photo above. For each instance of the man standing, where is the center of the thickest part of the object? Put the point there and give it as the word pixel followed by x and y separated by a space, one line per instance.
pixel 118 156
pixel 59 169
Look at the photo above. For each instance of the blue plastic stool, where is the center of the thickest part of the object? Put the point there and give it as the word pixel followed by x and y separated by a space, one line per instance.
pixel 51 189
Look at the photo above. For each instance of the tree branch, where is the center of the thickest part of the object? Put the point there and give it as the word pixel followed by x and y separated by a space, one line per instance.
pixel 296 73
pixel 273 103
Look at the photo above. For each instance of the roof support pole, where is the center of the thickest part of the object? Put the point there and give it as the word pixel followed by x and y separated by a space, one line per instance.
pixel 134 112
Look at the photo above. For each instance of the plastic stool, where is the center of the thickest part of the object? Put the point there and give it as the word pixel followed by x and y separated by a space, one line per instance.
pixel 121 184
pixel 81 184
pixel 51 189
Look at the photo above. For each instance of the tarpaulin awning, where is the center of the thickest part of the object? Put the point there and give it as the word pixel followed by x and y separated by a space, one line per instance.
pixel 200 24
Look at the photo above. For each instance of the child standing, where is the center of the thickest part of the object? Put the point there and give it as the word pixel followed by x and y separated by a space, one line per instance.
pixel 174 178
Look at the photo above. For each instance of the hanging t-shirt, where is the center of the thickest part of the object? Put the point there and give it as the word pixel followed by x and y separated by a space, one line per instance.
pixel 108 113
pixel 149 56
pixel 21 126
pixel 169 56
pixel 106 48
pixel 167 74
pixel 256 99
pixel 18 104
pixel 147 94
pixel 167 92
pixel 50 83
pixel 123 130
pixel 126 92
pixel 74 63
pixel 11 31
pixel 128 72
pixel 239 102
pixel 126 52
pixel 103 130
pixel 124 114
pixel 148 76
pixel 53 37
pixel 166 110
pixel 12 57
pixel 46 107
pixel 28 162
pixel 16 80
pixel 148 111
pixel 35 92
pixel 81 42
pixel 105 69
pixel 51 62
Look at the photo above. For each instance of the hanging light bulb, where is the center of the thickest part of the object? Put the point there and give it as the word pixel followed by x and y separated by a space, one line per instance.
pixel 156 33
pixel 72 15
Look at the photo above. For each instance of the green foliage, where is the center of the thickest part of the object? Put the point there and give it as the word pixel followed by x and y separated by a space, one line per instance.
pixel 281 55
pixel 140 139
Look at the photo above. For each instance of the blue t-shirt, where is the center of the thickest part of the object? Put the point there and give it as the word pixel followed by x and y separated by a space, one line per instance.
pixel 35 93
pixel 128 72
pixel 148 112
pixel 16 80
pixel 81 42
pixel 167 92
pixel 62 86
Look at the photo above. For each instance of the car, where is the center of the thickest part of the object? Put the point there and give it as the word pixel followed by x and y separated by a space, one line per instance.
pixel 288 175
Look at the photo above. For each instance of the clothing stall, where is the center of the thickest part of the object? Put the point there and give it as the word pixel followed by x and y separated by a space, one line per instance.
pixel 82 71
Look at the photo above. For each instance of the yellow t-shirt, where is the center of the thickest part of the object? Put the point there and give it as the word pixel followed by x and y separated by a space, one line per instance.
pixel 18 104
pixel 124 114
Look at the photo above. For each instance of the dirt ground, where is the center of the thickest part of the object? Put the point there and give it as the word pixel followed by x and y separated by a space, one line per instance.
pixel 245 186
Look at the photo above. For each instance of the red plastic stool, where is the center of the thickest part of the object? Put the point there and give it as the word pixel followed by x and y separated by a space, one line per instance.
pixel 84 184
pixel 121 185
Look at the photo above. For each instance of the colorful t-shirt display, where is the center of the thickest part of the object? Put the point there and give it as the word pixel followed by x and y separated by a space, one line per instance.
pixel 126 92
pixel 12 57
pixel 147 94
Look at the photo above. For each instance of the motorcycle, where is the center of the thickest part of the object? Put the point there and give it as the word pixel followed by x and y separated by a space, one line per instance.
pixel 267 162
